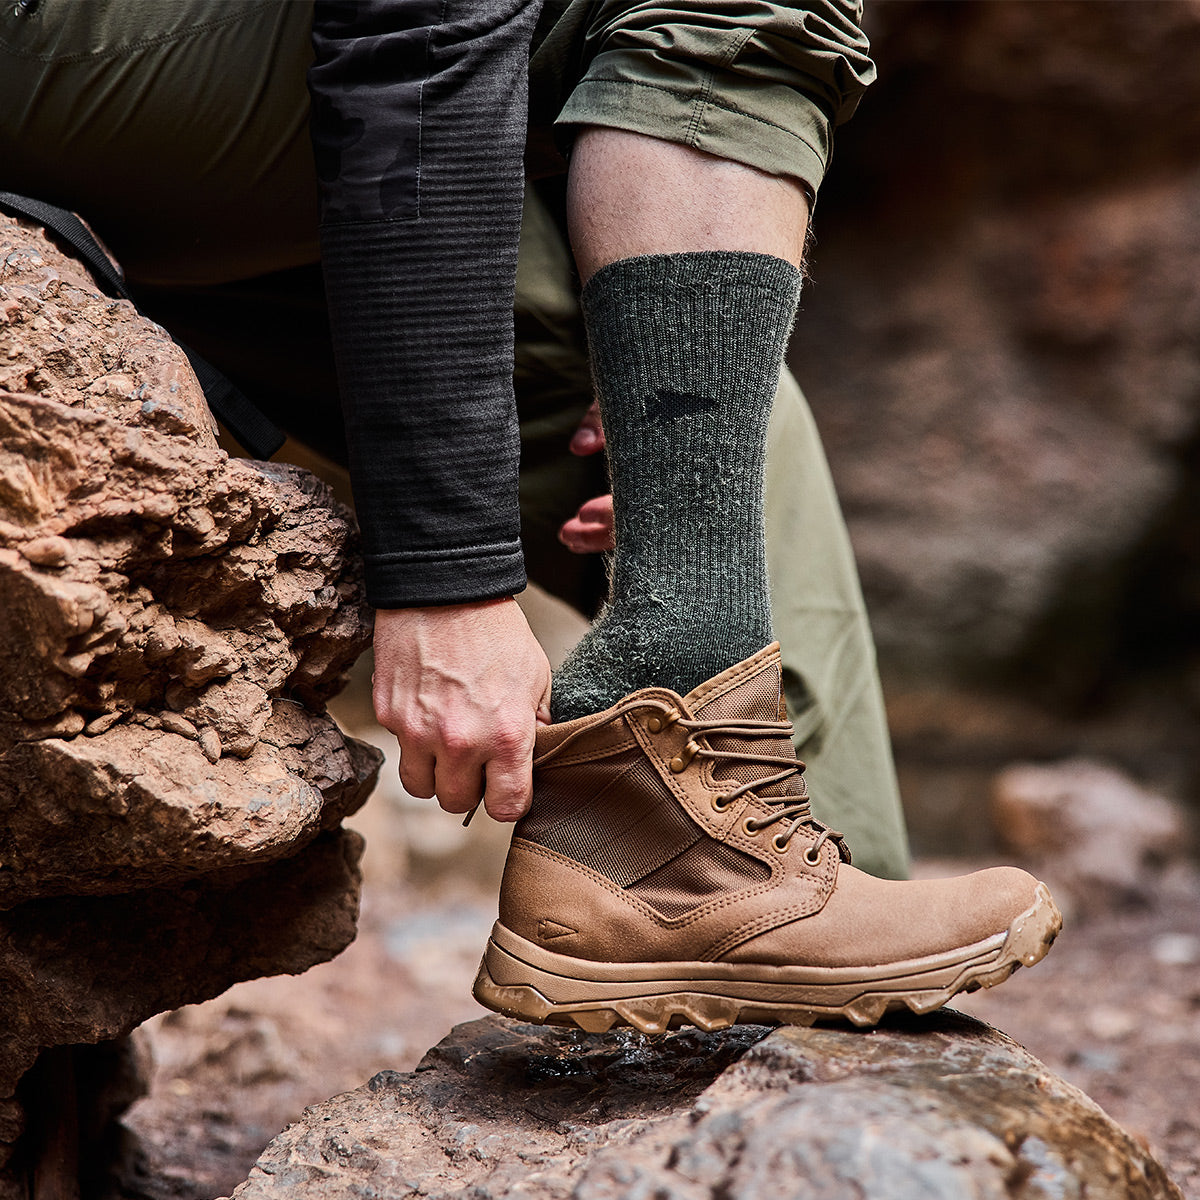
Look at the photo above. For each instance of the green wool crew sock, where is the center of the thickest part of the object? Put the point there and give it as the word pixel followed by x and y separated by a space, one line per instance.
pixel 686 353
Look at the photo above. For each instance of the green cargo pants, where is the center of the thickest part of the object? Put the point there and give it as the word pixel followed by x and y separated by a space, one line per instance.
pixel 179 129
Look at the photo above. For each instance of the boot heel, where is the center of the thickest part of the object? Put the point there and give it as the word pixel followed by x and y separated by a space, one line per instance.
pixel 521 1001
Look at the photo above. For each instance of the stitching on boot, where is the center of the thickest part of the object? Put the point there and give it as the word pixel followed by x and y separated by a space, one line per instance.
pixel 750 668
pixel 775 920
pixel 594 876
pixel 566 760
pixel 695 915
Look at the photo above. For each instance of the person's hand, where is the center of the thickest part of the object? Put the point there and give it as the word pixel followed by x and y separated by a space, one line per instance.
pixel 463 687
pixel 589 437
pixel 590 530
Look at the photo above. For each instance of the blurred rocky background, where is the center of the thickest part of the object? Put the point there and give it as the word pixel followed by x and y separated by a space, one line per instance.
pixel 1002 348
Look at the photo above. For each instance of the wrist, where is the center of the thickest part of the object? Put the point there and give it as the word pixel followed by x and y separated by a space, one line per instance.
pixel 444 611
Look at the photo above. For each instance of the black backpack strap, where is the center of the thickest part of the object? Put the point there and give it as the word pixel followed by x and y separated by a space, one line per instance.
pixel 253 428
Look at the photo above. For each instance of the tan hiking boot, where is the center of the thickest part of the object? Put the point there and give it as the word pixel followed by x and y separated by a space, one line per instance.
pixel 670 871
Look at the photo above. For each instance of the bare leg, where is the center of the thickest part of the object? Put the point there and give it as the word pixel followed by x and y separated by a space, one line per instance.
pixel 630 195
pixel 691 270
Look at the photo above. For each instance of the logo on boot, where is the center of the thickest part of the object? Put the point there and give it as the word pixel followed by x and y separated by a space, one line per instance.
pixel 549 930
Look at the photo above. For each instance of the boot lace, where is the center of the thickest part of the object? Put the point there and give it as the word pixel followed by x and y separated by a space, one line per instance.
pixel 791 813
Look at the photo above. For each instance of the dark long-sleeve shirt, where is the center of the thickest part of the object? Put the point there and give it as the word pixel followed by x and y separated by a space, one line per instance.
pixel 419 114
pixel 419 122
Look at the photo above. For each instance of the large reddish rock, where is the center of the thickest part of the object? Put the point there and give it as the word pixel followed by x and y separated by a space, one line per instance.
pixel 171 785
pixel 177 620
pixel 937 1108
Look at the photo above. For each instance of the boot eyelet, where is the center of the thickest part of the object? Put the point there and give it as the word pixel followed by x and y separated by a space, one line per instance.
pixel 780 843
pixel 679 763
pixel 720 803
pixel 810 859
pixel 749 827
pixel 655 724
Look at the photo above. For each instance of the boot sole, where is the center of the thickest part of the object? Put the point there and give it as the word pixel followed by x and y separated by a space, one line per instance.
pixel 521 979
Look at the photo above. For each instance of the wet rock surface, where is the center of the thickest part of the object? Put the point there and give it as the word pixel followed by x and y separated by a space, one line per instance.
pixel 937 1107
pixel 171 786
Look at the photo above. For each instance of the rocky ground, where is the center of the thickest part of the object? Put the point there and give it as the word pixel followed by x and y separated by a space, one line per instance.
pixel 1115 1009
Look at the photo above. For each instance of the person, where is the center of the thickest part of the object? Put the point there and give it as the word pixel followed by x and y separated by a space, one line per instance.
pixel 694 136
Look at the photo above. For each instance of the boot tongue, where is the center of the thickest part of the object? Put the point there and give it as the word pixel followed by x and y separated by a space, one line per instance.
pixel 750 691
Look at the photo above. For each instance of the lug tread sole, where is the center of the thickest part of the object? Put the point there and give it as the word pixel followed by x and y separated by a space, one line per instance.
pixel 1027 941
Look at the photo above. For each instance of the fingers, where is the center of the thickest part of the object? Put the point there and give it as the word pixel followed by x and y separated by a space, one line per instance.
pixel 585 539
pixel 509 784
pixel 463 770
pixel 598 510
pixel 417 773
pixel 591 530
pixel 463 689
pixel 460 779
pixel 589 437
pixel 458 782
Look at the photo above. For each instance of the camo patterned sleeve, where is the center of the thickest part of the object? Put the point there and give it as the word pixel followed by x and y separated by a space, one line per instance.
pixel 418 124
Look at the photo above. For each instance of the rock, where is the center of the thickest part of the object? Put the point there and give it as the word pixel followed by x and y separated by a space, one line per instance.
pixel 67 971
pixel 66 341
pixel 1097 833
pixel 951 743
pixel 210 744
pixel 137 808
pixel 74 1096
pixel 79 970
pixel 189 613
pixel 929 1108
pixel 171 785
pixel 1002 340
pixel 153 607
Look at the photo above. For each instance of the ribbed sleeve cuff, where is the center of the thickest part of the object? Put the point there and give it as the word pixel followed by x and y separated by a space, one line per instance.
pixel 421 578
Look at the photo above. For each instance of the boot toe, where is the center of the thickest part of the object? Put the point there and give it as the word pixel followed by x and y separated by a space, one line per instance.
pixel 869 922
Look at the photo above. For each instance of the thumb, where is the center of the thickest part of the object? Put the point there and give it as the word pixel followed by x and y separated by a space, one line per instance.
pixel 589 437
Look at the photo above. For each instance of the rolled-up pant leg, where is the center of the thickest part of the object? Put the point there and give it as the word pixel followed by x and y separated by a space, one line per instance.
pixel 760 82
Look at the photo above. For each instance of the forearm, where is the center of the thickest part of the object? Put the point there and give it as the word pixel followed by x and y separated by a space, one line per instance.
pixel 419 129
